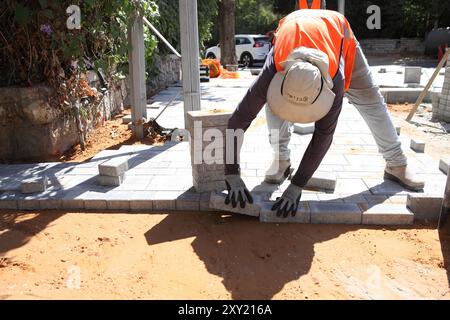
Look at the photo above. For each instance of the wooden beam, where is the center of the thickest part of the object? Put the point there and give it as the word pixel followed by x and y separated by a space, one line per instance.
pixel 428 86
pixel 137 76
pixel 190 55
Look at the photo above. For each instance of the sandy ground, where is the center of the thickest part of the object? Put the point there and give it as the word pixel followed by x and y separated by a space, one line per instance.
pixel 421 127
pixel 210 256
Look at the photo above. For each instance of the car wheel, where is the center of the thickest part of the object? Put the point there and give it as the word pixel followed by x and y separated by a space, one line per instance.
pixel 246 59
pixel 210 56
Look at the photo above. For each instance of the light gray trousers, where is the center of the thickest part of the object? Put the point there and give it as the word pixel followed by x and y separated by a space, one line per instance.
pixel 365 95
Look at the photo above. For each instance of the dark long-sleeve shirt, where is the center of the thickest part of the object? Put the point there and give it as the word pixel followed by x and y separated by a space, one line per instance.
pixel 256 98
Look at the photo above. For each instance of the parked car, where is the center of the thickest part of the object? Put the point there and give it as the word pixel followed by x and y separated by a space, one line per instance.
pixel 249 49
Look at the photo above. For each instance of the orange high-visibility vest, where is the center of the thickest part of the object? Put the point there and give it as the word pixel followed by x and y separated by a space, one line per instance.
pixel 325 30
pixel 303 4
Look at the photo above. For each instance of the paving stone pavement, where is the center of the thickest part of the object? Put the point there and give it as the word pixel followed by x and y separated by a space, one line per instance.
pixel 159 178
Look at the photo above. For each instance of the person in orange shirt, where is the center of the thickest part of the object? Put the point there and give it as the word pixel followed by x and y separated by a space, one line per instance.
pixel 315 61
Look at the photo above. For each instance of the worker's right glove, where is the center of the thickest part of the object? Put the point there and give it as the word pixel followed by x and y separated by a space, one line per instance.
pixel 237 191
pixel 288 203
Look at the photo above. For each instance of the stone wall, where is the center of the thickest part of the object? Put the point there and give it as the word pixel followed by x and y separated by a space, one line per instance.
pixel 31 129
pixel 393 46
pixel 441 103
pixel 169 72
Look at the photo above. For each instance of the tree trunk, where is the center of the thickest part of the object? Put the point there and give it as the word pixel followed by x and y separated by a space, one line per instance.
pixel 227 30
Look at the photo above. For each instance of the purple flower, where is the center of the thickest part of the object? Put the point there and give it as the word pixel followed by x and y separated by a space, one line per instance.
pixel 46 28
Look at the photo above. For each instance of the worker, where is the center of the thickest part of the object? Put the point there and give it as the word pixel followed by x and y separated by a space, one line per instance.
pixel 314 62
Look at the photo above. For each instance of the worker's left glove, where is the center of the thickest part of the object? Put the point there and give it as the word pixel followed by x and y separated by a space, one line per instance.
pixel 288 203
pixel 237 191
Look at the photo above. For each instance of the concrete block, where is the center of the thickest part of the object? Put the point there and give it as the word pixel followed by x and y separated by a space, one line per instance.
pixel 204 202
pixel 188 202
pixel 127 119
pixel 304 128
pixel 201 187
pixel 72 204
pixel 34 185
pixel 217 201
pixel 269 216
pixel 115 167
pixel 8 204
pixel 118 205
pixel 109 181
pixel 207 176
pixel 413 74
pixel 164 205
pixel 418 146
pixel 209 118
pixel 444 165
pixel 335 213
pixel 322 181
pixel 50 204
pixel 28 204
pixel 141 205
pixel 95 204
pixel 388 214
pixel 425 207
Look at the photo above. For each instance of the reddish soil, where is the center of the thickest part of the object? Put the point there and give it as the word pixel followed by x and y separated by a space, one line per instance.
pixel 58 255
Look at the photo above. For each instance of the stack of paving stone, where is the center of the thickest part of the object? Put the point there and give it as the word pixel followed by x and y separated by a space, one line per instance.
pixel 112 172
pixel 208 132
pixel 441 106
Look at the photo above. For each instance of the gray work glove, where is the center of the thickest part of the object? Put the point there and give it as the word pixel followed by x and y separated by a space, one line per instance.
pixel 237 191
pixel 288 203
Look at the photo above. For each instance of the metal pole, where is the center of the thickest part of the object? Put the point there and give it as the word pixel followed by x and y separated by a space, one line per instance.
pixel 137 75
pixel 160 36
pixel 341 6
pixel 445 211
pixel 190 55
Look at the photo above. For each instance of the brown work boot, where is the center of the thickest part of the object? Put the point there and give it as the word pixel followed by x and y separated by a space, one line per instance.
pixel 405 177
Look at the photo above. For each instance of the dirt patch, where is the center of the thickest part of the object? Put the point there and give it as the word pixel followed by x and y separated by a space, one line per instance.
pixel 213 256
pixel 434 134
pixel 110 136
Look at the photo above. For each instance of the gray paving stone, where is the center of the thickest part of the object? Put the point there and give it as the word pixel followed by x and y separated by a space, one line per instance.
pixel 188 202
pixel 109 181
pixel 165 200
pixel 335 213
pixel 8 204
pixel 141 205
pixel 444 165
pixel 304 128
pixel 95 204
pixel 204 202
pixel 127 119
pixel 50 204
pixel 118 205
pixel 115 167
pixel 217 202
pixel 418 146
pixel 34 185
pixel 322 181
pixel 388 214
pixel 72 204
pixel 269 216
pixel 28 204
pixel 425 207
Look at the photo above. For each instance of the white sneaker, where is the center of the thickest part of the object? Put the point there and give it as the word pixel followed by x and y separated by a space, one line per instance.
pixel 279 171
